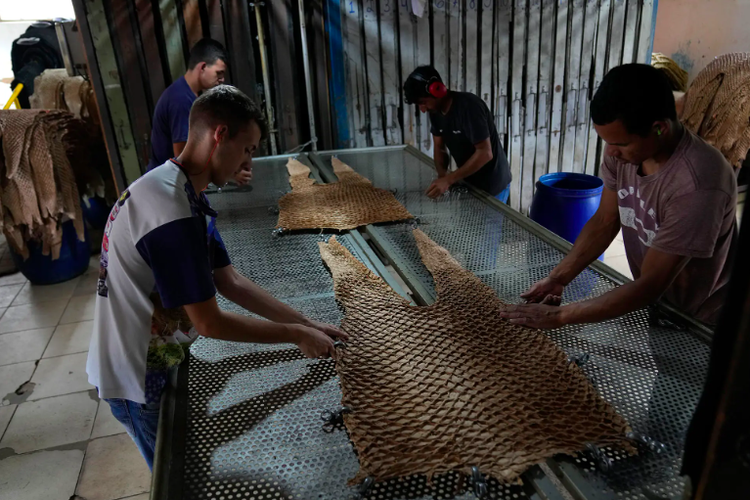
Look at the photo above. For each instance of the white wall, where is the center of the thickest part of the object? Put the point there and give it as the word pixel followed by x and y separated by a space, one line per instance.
pixel 33 10
pixel 693 32
pixel 15 17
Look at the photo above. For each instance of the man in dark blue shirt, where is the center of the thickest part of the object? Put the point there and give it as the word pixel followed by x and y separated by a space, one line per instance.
pixel 206 68
pixel 462 122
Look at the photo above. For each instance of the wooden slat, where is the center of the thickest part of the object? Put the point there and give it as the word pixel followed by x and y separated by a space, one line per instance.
pixel 571 97
pixel 616 33
pixel 155 67
pixel 319 58
pixel 487 52
pixel 646 33
pixel 192 17
pixel 172 38
pixel 516 111
pixel 102 104
pixel 455 45
pixel 132 77
pixel 408 52
pixel 602 48
pixel 544 102
pixel 288 88
pixel 556 123
pixel 632 22
pixel 587 54
pixel 105 58
pixel 240 47
pixel 531 92
pixel 502 70
pixel 389 55
pixel 374 78
pixel 351 12
pixel 424 57
pixel 472 46
pixel 216 21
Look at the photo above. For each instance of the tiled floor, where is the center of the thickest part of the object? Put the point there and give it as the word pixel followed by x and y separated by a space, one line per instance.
pixel 57 440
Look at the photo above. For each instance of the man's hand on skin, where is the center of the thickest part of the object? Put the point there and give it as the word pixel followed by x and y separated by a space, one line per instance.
pixel 317 343
pixel 439 186
pixel 546 291
pixel 243 177
pixel 329 330
pixel 535 315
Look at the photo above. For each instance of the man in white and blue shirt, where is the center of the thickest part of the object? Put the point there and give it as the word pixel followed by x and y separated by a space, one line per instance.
pixel 161 250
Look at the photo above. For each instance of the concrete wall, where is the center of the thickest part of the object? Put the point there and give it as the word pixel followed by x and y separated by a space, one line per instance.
pixel 693 32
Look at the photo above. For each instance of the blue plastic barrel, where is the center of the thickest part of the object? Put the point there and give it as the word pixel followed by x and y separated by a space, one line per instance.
pixel 564 202
pixel 95 211
pixel 42 270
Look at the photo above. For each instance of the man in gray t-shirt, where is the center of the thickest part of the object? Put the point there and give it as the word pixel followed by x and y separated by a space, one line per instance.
pixel 674 197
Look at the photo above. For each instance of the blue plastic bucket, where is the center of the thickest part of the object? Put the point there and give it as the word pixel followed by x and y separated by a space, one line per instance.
pixel 564 202
pixel 42 270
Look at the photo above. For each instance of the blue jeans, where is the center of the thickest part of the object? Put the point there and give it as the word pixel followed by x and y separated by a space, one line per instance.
pixel 504 194
pixel 141 422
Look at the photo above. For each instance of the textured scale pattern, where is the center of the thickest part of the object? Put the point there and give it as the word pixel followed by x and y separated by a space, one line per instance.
pixel 37 181
pixel 717 106
pixel 347 204
pixel 452 385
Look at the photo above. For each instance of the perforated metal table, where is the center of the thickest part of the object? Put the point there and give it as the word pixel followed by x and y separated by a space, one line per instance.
pixel 244 421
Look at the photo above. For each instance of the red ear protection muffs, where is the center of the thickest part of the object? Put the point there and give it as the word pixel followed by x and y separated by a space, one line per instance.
pixel 433 86
pixel 436 89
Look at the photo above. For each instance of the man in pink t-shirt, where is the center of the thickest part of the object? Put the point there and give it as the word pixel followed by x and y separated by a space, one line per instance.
pixel 673 196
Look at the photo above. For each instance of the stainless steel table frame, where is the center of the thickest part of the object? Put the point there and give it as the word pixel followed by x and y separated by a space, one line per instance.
pixel 244 422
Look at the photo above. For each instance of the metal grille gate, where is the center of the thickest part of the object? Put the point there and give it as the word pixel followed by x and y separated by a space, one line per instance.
pixel 535 63
pixel 254 428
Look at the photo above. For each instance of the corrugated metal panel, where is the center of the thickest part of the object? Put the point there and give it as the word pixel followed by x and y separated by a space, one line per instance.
pixel 573 70
pixel 645 34
pixel 502 33
pixel 531 90
pixel 535 63
pixel 544 101
pixel 556 124
pixel 391 77
pixel 373 73
pixel 472 55
pixel 408 50
pixel 487 51
pixel 587 56
pixel 358 107
pixel 600 61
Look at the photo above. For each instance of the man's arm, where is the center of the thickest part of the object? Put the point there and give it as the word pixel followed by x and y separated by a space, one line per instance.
pixel 177 148
pixel 440 155
pixel 250 296
pixel 657 273
pixel 594 239
pixel 482 154
pixel 210 321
